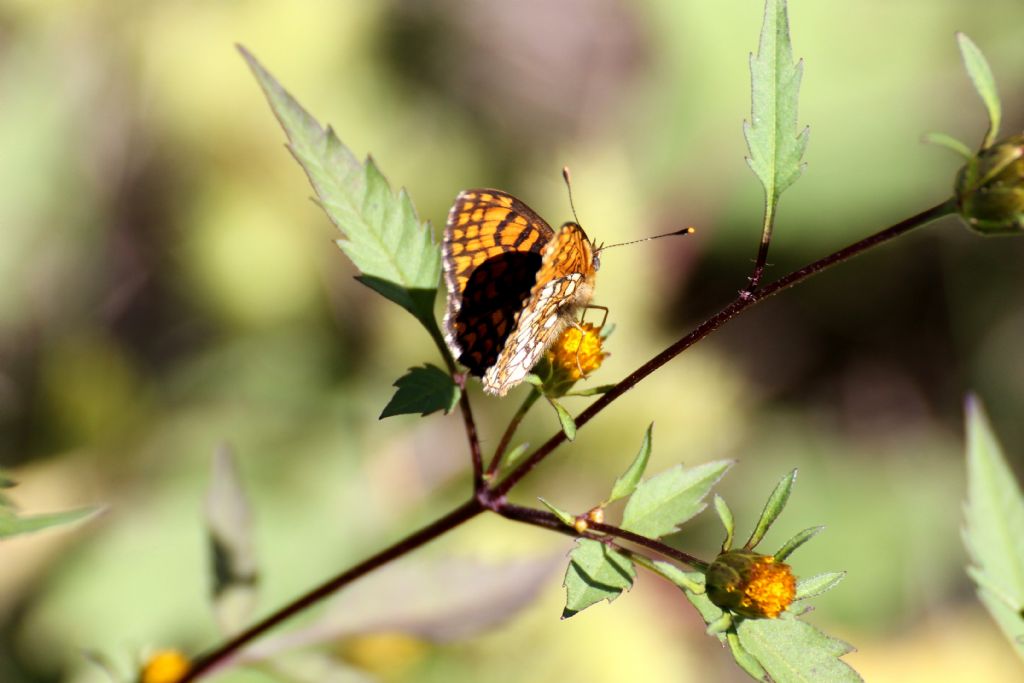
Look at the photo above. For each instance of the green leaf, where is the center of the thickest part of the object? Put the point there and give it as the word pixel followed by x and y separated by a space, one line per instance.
pixel 563 516
pixel 14 525
pixel 816 585
pixel 660 504
pixel 792 544
pixel 772 509
pixel 627 483
pixel 994 527
pixel 776 148
pixel 229 527
pixel 793 651
pixel 744 659
pixel 949 142
pixel 725 514
pixel 513 455
pixel 382 235
pixel 984 83
pixel 422 390
pixel 564 419
pixel 596 572
pixel 709 611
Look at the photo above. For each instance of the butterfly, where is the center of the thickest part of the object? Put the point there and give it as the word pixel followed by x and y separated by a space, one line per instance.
pixel 514 284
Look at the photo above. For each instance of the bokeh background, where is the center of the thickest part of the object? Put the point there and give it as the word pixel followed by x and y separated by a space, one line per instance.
pixel 166 286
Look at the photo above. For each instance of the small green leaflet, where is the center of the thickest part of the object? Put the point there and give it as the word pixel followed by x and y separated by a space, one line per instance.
pixel 994 527
pixel 564 419
pixel 772 509
pixel 383 237
pixel 626 484
pixel 793 651
pixel 816 585
pixel 563 516
pixel 776 148
pixel 661 503
pixel 423 390
pixel 596 572
pixel 984 83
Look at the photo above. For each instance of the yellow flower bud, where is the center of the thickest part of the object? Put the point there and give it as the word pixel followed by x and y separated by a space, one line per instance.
pixel 165 666
pixel 990 188
pixel 576 354
pixel 750 584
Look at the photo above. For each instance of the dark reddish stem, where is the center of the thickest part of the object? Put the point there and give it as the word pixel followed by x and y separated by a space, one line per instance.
pixel 461 514
pixel 548 520
pixel 475 454
pixel 745 300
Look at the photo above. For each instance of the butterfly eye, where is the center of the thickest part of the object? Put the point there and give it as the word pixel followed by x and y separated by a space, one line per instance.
pixel 597 260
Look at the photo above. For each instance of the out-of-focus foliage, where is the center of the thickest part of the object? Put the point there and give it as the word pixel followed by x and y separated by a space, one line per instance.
pixel 167 285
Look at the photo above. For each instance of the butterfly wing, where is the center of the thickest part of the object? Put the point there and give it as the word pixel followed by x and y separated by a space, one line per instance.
pixel 565 282
pixel 492 249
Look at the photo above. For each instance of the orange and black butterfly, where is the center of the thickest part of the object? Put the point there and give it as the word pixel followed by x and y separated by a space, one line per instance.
pixel 514 284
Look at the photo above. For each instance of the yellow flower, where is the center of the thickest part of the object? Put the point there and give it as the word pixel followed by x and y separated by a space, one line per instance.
pixel 577 353
pixel 750 584
pixel 165 666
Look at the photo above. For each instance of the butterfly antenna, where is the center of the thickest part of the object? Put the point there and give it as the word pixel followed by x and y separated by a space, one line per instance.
pixel 684 231
pixel 568 184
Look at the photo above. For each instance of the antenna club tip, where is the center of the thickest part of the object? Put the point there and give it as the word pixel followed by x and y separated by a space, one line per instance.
pixel 690 230
pixel 565 172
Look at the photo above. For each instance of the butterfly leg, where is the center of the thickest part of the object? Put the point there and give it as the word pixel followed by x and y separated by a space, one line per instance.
pixel 604 318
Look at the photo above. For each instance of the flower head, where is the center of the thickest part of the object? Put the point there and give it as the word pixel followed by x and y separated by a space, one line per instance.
pixel 165 666
pixel 578 352
pixel 750 584
pixel 990 188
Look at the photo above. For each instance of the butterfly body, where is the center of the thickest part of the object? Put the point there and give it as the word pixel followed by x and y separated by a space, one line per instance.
pixel 513 284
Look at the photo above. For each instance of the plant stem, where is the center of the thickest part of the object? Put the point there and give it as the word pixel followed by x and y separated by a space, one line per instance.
pixel 742 302
pixel 205 663
pixel 762 251
pixel 548 520
pixel 475 454
pixel 510 431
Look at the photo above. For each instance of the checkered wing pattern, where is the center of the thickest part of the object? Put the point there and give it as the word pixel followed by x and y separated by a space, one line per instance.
pixel 492 248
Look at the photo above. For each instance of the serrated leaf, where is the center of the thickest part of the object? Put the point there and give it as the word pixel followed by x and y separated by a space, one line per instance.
pixel 772 509
pixel 233 560
pixel 382 234
pixel 981 76
pixel 994 514
pixel 816 585
pixel 12 524
pixel 423 390
pixel 660 504
pixel 793 651
pixel 626 484
pixel 776 148
pixel 564 419
pixel 563 516
pixel 595 573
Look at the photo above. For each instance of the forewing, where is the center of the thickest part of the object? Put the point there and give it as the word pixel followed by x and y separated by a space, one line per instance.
pixel 482 226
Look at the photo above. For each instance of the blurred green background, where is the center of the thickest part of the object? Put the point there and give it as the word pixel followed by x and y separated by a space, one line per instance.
pixel 167 286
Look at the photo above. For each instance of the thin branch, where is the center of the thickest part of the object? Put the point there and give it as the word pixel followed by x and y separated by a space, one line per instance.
pixel 743 301
pixel 475 453
pixel 548 520
pixel 206 663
